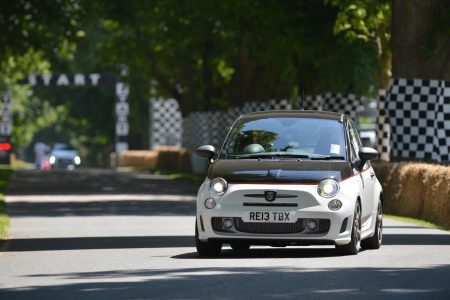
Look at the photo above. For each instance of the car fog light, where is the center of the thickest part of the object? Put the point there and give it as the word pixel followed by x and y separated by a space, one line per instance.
pixel 210 203
pixel 312 225
pixel 334 204
pixel 227 223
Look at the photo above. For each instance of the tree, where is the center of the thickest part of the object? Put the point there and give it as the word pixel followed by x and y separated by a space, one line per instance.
pixel 210 55
pixel 421 39
pixel 367 21
pixel 34 34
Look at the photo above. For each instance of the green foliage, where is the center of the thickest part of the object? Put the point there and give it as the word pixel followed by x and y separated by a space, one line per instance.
pixel 208 55
pixel 35 34
pixel 362 19
pixel 5 174
pixel 367 21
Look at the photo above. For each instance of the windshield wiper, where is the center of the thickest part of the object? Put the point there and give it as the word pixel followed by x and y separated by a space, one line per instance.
pixel 325 157
pixel 270 155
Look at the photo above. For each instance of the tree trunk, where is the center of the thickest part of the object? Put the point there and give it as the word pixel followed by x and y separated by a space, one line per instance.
pixel 421 39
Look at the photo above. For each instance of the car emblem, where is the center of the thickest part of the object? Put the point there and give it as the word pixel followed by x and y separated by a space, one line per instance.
pixel 270 195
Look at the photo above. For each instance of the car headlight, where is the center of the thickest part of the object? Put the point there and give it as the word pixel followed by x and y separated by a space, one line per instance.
pixel 218 186
pixel 328 188
pixel 77 160
pixel 52 160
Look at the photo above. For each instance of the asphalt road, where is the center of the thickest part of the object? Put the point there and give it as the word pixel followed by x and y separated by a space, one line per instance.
pixel 106 235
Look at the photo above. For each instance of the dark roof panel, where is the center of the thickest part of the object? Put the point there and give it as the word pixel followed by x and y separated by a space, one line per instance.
pixel 295 114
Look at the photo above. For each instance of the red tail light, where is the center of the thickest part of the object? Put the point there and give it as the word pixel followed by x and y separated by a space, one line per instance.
pixel 5 146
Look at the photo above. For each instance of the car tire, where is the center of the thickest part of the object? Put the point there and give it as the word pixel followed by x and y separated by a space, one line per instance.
pixel 240 246
pixel 206 249
pixel 375 241
pixel 352 248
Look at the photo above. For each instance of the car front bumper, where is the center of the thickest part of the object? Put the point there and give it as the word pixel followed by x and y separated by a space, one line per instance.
pixel 304 204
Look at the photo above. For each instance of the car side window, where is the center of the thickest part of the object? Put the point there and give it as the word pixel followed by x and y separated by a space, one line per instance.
pixel 355 144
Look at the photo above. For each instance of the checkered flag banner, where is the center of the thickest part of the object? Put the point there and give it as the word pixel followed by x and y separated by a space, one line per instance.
pixel 349 104
pixel 5 114
pixel 201 128
pixel 166 123
pixel 313 102
pixel 419 115
pixel 383 128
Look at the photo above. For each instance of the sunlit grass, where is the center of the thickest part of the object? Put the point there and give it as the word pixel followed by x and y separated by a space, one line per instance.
pixel 196 179
pixel 418 222
pixel 17 164
pixel 5 173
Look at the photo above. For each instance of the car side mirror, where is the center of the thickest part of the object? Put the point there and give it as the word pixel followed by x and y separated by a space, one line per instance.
pixel 366 154
pixel 206 151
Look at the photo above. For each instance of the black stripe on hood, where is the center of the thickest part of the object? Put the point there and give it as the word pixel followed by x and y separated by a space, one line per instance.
pixel 282 171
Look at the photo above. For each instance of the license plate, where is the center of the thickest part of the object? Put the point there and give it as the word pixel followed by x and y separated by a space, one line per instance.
pixel 269 217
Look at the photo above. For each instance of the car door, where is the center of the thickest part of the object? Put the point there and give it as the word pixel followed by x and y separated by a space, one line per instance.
pixel 366 174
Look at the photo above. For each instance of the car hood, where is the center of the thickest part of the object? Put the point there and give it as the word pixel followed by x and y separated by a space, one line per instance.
pixel 278 171
pixel 65 154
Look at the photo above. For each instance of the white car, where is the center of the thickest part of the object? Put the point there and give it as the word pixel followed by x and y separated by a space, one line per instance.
pixel 286 178
pixel 64 156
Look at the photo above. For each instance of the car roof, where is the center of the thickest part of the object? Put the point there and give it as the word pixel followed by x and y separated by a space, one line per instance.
pixel 296 114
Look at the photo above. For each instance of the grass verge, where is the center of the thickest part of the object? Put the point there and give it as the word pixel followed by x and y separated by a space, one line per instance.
pixel 5 174
pixel 197 179
pixel 414 221
pixel 17 164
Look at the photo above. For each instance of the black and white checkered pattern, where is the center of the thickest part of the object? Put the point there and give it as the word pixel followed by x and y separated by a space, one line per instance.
pixel 5 114
pixel 383 128
pixel 213 132
pixel 419 118
pixel 442 126
pixel 349 104
pixel 197 132
pixel 313 102
pixel 166 124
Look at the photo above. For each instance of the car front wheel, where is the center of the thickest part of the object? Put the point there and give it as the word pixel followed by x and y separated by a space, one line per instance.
pixel 206 249
pixel 352 248
pixel 375 241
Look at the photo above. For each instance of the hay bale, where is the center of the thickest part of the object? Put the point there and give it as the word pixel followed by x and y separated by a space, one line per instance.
pixel 184 161
pixel 417 190
pixel 138 158
pixel 165 158
pixel 174 159
pixel 437 194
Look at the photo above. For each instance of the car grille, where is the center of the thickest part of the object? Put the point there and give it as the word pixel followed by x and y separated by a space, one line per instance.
pixel 64 161
pixel 250 227
pixel 270 228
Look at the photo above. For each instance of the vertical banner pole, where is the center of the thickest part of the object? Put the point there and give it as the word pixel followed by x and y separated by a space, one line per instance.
pixel 122 111
pixel 5 127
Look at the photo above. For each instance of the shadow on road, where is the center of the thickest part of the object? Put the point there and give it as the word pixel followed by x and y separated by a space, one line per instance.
pixel 85 243
pixel 243 283
pixel 130 242
pixel 83 182
pixel 102 208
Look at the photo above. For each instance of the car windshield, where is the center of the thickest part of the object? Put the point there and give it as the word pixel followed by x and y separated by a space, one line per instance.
pixel 63 147
pixel 285 137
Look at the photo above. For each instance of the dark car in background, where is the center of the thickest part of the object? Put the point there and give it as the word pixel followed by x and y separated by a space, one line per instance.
pixel 5 150
pixel 64 156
